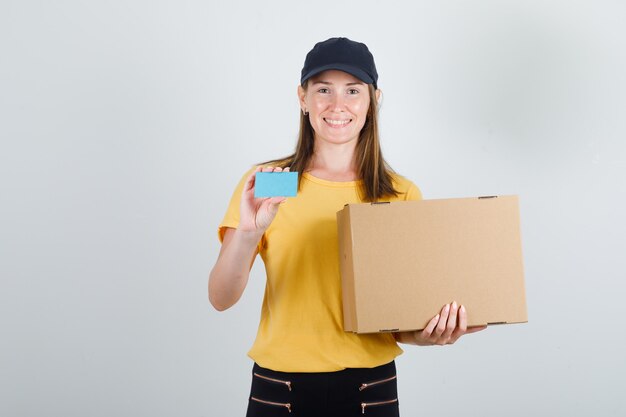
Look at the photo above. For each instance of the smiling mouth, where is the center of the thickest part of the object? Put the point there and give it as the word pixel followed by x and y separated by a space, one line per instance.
pixel 337 123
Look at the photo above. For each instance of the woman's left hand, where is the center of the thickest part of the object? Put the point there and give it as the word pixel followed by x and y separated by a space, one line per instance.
pixel 443 329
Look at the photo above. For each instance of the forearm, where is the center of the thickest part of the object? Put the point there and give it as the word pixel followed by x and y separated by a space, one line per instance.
pixel 229 276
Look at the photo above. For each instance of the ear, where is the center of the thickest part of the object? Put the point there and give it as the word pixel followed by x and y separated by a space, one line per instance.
pixel 301 95
pixel 379 93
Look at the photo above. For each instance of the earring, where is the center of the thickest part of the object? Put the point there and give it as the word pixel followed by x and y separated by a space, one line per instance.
pixel 304 112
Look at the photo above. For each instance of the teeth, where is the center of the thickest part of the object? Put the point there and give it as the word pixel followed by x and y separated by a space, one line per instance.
pixel 337 122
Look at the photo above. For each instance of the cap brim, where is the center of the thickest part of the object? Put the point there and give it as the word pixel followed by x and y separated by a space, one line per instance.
pixel 357 72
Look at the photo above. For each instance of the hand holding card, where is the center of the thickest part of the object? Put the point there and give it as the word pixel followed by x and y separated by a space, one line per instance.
pixel 258 209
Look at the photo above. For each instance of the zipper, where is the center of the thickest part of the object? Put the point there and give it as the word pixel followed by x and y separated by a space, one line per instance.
pixel 278 381
pixel 363 405
pixel 286 405
pixel 369 384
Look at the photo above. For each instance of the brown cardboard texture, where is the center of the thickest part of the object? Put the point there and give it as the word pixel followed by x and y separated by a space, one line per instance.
pixel 402 261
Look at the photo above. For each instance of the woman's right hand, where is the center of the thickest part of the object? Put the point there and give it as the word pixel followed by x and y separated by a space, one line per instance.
pixel 256 214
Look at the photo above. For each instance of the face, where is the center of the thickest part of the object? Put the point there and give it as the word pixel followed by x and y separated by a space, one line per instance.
pixel 337 103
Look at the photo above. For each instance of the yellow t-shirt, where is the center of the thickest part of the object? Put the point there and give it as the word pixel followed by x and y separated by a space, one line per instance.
pixel 301 327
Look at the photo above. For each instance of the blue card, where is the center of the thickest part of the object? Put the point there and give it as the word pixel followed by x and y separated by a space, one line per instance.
pixel 276 184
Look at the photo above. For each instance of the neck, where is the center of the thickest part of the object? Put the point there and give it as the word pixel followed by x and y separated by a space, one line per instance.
pixel 334 161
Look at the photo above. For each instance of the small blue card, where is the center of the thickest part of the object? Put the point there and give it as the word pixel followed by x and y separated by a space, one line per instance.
pixel 276 184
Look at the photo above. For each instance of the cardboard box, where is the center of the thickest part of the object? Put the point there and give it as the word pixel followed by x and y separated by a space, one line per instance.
pixel 402 261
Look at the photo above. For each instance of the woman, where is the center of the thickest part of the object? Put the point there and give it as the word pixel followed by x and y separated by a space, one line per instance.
pixel 305 364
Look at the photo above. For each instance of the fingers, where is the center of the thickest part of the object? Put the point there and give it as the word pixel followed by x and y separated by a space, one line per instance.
pixel 462 319
pixel 454 325
pixel 451 325
pixel 462 325
pixel 431 324
pixel 447 327
pixel 250 180
pixel 428 330
pixel 443 320
pixel 275 169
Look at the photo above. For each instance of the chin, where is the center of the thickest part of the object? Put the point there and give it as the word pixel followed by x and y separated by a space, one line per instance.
pixel 339 140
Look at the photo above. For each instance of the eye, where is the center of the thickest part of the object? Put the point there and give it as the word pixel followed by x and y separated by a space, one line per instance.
pixel 323 90
pixel 353 91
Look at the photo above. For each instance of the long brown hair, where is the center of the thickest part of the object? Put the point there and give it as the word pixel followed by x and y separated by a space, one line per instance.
pixel 371 166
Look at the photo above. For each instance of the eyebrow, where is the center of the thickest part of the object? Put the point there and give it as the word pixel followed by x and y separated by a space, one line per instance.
pixel 329 83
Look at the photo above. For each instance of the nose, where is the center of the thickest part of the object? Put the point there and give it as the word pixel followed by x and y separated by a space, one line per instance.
pixel 338 103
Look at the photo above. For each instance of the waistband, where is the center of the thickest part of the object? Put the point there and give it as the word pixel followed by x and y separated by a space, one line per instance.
pixel 386 370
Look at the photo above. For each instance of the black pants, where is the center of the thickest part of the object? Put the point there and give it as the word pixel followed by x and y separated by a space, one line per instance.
pixel 350 392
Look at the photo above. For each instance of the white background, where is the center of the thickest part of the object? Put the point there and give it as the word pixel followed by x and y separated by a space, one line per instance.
pixel 125 126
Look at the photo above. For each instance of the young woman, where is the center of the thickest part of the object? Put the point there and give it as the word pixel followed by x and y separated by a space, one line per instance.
pixel 305 364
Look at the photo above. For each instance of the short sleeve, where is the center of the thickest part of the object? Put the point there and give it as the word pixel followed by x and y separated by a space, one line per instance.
pixel 413 193
pixel 407 191
pixel 231 218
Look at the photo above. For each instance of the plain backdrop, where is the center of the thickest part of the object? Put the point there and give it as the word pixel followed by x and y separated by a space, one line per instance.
pixel 125 126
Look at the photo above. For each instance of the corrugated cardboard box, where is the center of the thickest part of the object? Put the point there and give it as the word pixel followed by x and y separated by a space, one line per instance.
pixel 402 261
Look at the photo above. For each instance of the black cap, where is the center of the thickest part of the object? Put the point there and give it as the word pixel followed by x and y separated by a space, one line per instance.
pixel 341 54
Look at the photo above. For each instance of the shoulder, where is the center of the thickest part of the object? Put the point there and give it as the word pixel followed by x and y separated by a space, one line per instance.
pixel 407 190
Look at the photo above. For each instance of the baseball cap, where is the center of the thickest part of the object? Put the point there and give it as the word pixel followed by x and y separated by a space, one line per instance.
pixel 340 54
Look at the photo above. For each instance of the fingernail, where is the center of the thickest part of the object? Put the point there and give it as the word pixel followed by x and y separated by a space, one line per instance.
pixel 454 305
pixel 463 308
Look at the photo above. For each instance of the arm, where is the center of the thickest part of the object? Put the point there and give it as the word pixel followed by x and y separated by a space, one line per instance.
pixel 443 329
pixel 229 276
